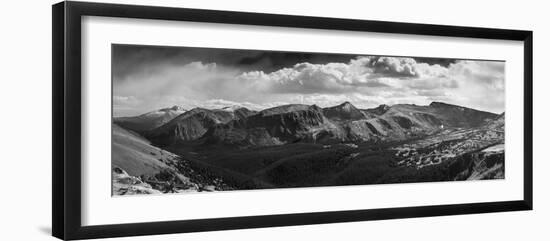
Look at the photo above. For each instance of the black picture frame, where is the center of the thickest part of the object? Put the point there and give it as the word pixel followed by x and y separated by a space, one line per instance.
pixel 66 128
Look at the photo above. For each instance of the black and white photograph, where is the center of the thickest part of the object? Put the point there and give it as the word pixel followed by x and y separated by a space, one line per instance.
pixel 275 120
pixel 188 119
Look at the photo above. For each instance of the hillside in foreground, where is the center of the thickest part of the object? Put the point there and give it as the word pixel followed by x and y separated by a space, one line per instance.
pixel 140 168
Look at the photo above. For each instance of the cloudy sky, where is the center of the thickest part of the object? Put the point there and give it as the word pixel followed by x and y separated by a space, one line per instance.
pixel 146 78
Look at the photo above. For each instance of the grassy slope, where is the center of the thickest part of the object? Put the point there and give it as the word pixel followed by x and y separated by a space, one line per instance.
pixel 136 155
pixel 298 164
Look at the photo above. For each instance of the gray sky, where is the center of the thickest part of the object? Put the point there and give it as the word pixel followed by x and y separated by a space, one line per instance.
pixel 146 78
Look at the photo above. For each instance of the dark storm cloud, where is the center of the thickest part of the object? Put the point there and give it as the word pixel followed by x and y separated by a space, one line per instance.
pixel 432 61
pixel 270 61
pixel 129 59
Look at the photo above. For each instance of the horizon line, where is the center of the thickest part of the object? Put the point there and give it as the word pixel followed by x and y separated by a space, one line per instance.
pixel 259 110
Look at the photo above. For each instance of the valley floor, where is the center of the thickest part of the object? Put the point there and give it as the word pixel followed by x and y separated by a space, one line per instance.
pixel 450 155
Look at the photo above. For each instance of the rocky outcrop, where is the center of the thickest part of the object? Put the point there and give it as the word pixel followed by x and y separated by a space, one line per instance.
pixel 380 110
pixel 124 184
pixel 344 111
pixel 485 164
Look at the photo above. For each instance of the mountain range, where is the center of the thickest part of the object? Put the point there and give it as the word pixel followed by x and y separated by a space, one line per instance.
pixel 293 123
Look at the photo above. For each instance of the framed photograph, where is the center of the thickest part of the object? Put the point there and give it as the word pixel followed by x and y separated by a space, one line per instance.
pixel 169 120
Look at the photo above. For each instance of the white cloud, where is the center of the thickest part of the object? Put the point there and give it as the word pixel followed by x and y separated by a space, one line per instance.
pixel 359 73
pixel 365 81
pixel 396 67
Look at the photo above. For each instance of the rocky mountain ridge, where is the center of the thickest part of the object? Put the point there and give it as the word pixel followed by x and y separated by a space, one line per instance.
pixel 345 122
pixel 310 123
